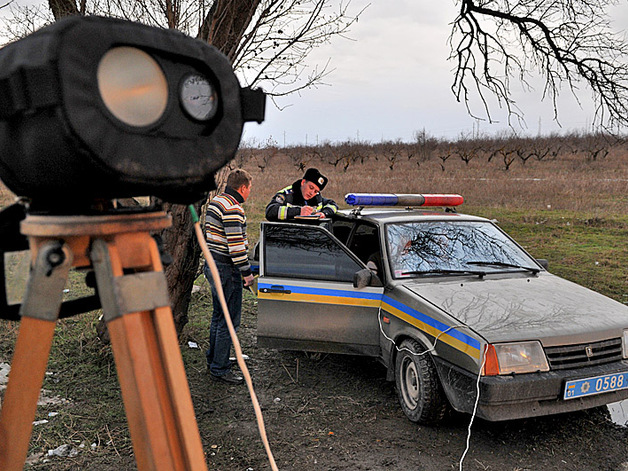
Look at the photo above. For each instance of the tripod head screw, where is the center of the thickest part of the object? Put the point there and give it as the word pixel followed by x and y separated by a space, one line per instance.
pixel 54 258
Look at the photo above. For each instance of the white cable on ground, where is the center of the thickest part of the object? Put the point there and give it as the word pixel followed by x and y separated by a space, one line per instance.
pixel 234 338
pixel 431 349
pixel 475 408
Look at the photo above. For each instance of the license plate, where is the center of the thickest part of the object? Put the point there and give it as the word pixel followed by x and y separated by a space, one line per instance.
pixel 595 385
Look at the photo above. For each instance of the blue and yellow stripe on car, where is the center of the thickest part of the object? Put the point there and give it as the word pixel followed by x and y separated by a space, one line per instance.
pixel 447 334
pixel 322 295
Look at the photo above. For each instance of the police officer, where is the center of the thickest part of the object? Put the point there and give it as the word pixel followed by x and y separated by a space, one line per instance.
pixel 302 198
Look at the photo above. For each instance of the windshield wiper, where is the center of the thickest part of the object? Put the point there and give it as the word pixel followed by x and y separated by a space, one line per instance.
pixel 445 272
pixel 534 270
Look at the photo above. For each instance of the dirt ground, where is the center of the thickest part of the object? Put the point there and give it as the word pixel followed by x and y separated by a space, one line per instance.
pixel 322 412
pixel 334 412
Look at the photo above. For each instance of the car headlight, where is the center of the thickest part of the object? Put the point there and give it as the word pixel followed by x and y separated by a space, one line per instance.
pixel 624 344
pixel 516 357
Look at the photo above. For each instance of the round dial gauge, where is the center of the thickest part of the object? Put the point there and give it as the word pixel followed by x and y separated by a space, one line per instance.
pixel 198 97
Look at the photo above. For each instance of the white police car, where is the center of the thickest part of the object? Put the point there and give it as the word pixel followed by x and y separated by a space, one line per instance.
pixel 455 307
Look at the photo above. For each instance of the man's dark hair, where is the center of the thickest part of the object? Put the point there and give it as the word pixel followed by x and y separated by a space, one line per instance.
pixel 239 177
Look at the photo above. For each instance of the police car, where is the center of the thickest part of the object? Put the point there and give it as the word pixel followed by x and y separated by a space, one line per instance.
pixel 458 313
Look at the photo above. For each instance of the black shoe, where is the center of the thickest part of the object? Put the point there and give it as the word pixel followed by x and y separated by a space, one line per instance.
pixel 229 378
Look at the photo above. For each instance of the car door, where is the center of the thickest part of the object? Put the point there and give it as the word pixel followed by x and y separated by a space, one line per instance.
pixel 306 297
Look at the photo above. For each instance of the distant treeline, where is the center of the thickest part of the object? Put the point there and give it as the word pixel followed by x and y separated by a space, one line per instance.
pixel 503 149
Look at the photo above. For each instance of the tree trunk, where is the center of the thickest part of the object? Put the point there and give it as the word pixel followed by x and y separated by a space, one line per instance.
pixel 180 242
pixel 223 27
pixel 225 24
pixel 61 8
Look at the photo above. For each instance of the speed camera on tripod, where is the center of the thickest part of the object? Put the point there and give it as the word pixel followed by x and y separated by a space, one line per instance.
pixel 98 108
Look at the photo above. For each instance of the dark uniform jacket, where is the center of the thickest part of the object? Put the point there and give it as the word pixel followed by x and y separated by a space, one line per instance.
pixel 286 204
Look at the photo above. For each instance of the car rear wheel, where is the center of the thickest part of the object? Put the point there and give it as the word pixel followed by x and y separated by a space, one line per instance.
pixel 418 387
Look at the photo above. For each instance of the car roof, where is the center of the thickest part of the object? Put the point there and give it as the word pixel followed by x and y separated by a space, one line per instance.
pixel 385 215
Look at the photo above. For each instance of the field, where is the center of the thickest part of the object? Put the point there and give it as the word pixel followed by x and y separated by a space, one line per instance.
pixel 338 413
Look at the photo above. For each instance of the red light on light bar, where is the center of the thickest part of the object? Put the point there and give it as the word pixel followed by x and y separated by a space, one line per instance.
pixel 443 200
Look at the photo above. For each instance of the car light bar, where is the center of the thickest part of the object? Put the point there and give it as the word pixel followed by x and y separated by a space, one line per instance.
pixel 391 199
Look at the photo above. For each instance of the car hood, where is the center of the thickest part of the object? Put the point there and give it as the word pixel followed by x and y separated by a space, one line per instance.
pixel 517 307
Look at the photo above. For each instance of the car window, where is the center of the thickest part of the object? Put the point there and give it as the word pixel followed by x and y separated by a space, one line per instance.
pixel 365 242
pixel 441 246
pixel 306 252
pixel 342 230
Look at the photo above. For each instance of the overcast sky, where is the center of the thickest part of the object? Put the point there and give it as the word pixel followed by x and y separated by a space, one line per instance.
pixel 393 79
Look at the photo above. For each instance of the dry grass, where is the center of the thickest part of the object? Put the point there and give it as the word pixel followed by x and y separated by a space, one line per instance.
pixel 570 182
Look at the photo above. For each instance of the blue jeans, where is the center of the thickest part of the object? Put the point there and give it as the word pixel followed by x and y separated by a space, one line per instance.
pixel 219 338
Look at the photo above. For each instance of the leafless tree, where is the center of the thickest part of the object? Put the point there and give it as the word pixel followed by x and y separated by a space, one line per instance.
pixel 467 149
pixel 570 42
pixel 391 151
pixel 351 152
pixel 333 154
pixel 444 151
pixel 508 154
pixel 596 146
pixel 266 153
pixel 425 145
pixel 539 149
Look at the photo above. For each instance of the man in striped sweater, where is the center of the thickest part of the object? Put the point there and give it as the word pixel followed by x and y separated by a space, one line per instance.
pixel 225 232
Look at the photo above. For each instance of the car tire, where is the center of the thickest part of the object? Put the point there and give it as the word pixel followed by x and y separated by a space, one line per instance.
pixel 419 390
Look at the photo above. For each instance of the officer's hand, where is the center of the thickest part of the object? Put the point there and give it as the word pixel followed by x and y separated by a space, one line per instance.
pixel 248 280
pixel 306 210
pixel 319 214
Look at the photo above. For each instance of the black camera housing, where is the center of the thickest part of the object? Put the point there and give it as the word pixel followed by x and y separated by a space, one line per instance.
pixel 60 145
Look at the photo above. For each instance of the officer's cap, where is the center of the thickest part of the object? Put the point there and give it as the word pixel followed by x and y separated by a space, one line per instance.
pixel 316 177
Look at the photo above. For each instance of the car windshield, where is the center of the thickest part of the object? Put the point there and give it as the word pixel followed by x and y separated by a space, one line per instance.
pixel 456 247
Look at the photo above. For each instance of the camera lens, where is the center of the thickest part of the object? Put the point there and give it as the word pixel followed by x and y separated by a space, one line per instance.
pixel 132 86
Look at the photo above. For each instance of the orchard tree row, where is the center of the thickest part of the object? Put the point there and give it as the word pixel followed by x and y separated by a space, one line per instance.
pixel 503 149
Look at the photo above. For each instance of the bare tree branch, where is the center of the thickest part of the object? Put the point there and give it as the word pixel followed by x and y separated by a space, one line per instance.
pixel 283 33
pixel 567 41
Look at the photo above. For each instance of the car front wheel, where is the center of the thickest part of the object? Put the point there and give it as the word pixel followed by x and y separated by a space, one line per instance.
pixel 418 387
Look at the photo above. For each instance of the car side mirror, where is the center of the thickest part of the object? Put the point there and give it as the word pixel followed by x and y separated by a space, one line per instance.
pixel 364 278
pixel 543 262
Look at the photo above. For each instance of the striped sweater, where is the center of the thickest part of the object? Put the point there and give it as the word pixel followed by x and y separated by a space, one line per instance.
pixel 225 229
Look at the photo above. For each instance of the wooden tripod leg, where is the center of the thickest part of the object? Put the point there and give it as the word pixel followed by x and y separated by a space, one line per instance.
pixel 150 369
pixel 39 313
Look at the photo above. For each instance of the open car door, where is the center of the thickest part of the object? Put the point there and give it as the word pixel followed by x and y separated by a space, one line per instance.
pixel 306 294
